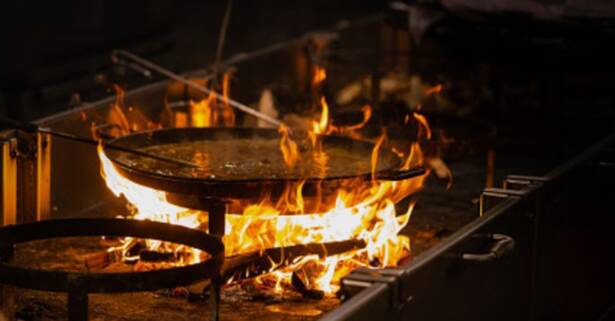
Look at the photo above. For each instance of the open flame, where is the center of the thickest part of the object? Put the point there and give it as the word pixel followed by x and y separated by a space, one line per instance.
pixel 203 113
pixel 319 74
pixel 209 112
pixel 288 147
pixel 365 210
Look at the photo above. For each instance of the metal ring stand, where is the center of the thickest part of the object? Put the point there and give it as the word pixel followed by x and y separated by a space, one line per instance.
pixel 78 285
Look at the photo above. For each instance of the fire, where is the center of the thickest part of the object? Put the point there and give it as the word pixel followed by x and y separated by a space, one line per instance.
pixel 149 204
pixel 375 152
pixel 207 112
pixel 433 90
pixel 367 212
pixel 202 112
pixel 319 75
pixel 425 126
pixel 364 210
pixel 117 115
pixel 228 114
pixel 322 125
pixel 126 119
pixel 351 131
pixel 288 147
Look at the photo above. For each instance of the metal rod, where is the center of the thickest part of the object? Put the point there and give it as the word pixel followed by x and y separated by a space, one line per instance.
pixel 118 148
pixel 217 218
pixel 187 82
pixel 222 36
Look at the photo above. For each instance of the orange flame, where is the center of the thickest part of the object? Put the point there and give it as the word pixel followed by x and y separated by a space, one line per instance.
pixel 206 113
pixel 117 115
pixel 375 154
pixel 360 210
pixel 228 114
pixel 319 75
pixel 433 90
pixel 367 114
pixel 149 204
pixel 424 125
pixel 124 119
pixel 321 126
pixel 289 149
pixel 202 112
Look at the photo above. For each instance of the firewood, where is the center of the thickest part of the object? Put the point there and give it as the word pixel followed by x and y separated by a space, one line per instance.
pixel 97 261
pixel 244 266
pixel 256 263
pixel 118 267
pixel 153 256
pixel 300 285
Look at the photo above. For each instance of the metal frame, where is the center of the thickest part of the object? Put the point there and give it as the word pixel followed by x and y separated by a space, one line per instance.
pixel 392 283
pixel 79 285
pixel 382 294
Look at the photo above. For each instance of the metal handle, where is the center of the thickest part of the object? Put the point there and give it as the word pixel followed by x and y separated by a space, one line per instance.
pixel 503 245
pixel 400 174
pixel 115 56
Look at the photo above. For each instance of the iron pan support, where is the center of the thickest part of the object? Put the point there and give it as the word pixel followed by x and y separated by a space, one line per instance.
pixel 78 285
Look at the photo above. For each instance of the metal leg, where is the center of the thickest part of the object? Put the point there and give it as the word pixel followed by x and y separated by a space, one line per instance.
pixel 214 298
pixel 217 211
pixel 6 252
pixel 77 305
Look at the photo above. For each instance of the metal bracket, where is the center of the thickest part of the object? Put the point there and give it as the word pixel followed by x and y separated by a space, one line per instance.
pixel 521 181
pixel 514 186
pixel 9 182
pixel 363 278
pixel 498 193
pixel 43 176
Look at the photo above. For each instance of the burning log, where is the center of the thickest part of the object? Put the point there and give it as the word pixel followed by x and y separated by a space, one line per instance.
pixel 97 261
pixel 299 283
pixel 244 266
pixel 256 263
pixel 153 256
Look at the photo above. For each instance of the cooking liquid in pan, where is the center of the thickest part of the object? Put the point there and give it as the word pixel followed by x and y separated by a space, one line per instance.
pixel 245 159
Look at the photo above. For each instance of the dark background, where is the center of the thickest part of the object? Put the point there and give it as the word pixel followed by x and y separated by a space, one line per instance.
pixel 540 54
pixel 55 48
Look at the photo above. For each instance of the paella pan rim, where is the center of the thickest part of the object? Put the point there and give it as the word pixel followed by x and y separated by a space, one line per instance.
pixel 213 186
